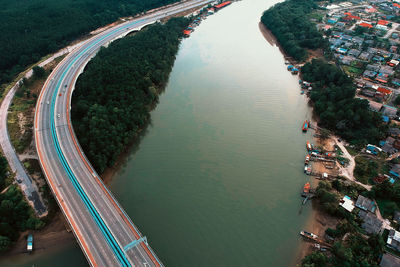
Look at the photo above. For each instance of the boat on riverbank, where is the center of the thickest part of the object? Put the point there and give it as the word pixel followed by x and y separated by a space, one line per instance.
pixel 306 189
pixel 307 160
pixel 308 146
pixel 308 235
pixel 29 243
pixel 306 124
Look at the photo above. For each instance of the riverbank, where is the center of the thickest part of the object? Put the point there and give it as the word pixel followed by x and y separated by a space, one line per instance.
pixel 51 237
pixel 271 39
pixel 319 220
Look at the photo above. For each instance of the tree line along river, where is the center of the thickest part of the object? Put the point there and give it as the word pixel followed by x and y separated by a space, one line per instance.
pixel 216 177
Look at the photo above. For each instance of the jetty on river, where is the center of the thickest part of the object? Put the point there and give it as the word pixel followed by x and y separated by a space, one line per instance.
pixel 314 238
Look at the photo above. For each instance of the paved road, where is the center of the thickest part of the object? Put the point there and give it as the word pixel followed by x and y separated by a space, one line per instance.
pixel 105 233
pixel 392 30
pixel 25 182
pixel 28 187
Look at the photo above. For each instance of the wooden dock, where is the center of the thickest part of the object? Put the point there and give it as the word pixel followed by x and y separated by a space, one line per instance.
pixel 316 240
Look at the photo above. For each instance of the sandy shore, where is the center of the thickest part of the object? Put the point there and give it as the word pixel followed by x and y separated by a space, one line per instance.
pixel 271 39
pixel 318 222
pixel 51 237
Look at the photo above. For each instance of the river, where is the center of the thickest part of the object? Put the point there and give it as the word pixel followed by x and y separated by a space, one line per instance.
pixel 215 180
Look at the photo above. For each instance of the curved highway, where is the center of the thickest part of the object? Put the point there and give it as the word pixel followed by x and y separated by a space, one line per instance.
pixel 104 231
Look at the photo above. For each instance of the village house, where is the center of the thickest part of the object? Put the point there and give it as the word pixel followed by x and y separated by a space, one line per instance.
pixel 383 93
pixel 394 132
pixel 347 203
pixel 382 77
pixel 389 111
pixel 393 63
pixel 373 67
pixel 369 74
pixel 365 56
pixel 395 82
pixel 365 204
pixel 396 144
pixel 358 40
pixel 347 60
pixel 395 171
pixel 396 217
pixel 375 106
pixel 368 93
pixel 393 240
pixel 388 146
pixel 386 70
pixel 371 224
pixel 389 260
pixel 354 52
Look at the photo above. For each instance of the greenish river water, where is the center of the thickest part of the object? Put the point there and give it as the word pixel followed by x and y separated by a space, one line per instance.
pixel 215 180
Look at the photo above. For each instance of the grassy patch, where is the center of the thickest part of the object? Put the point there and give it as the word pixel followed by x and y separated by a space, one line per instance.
pixel 20 117
pixel 351 151
pixel 352 70
pixel 318 16
pixel 387 207
pixel 368 168
pixel 32 166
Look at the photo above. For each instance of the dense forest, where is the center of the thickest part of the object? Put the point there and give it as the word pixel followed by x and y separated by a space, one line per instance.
pixel 289 22
pixel 333 97
pixel 15 214
pixel 114 95
pixel 31 29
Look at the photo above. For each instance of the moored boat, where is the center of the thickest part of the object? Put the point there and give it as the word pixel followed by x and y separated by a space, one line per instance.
pixel 305 125
pixel 308 235
pixel 29 243
pixel 307 160
pixel 306 188
pixel 308 145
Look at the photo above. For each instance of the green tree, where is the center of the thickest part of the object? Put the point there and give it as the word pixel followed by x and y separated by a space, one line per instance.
pixel 113 97
pixel 38 72
pixel 315 259
pixel 397 100
pixel 4 243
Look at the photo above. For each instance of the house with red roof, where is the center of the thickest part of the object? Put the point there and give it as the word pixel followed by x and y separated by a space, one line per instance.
pixel 350 16
pixel 224 4
pixel 384 91
pixel 383 22
pixel 365 25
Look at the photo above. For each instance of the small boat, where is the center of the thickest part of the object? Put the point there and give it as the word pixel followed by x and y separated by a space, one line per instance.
pixel 29 245
pixel 307 160
pixel 305 125
pixel 295 71
pixel 290 67
pixel 308 235
pixel 305 168
pixel 306 188
pixel 308 145
pixel 302 92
